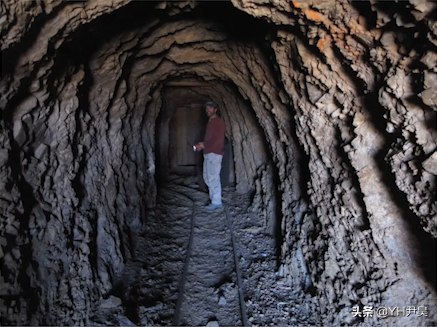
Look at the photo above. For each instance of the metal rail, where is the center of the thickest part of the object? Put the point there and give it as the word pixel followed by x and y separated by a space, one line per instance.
pixel 237 270
pixel 181 287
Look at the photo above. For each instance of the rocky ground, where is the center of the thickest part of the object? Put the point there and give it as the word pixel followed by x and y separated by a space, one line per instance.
pixel 149 291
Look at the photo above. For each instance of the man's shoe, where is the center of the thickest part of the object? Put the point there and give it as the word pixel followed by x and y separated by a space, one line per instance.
pixel 213 206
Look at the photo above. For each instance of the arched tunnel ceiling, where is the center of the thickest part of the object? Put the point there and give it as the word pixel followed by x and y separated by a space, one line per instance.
pixel 330 107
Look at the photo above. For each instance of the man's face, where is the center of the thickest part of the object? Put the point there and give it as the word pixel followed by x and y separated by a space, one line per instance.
pixel 210 111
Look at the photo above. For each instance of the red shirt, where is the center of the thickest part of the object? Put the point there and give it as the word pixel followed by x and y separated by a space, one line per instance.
pixel 214 136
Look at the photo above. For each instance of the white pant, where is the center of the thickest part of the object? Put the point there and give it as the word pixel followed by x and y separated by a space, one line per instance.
pixel 212 165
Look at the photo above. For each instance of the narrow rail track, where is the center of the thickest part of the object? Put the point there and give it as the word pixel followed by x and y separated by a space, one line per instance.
pixel 190 263
pixel 237 270
pixel 209 239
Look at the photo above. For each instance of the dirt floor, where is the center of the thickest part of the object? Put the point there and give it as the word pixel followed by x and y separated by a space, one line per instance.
pixel 154 291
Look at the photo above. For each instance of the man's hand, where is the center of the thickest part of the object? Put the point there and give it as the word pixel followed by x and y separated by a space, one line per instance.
pixel 201 145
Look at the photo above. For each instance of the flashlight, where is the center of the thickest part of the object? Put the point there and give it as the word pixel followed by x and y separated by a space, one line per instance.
pixel 196 147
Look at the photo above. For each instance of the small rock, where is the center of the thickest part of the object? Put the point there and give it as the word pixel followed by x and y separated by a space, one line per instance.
pixel 40 150
pixel 111 302
pixel 124 321
pixel 222 300
pixel 212 323
pixel 16 253
pixel 10 229
pixel 157 307
pixel 430 164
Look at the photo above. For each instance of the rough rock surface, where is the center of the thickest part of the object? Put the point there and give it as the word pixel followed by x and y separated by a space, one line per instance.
pixel 330 108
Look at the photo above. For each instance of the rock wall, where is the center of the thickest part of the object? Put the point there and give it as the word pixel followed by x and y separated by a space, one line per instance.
pixel 330 108
pixel 361 79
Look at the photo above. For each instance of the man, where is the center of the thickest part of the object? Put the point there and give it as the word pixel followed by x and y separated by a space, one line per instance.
pixel 212 147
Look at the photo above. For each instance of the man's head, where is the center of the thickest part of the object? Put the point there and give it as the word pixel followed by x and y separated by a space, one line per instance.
pixel 211 108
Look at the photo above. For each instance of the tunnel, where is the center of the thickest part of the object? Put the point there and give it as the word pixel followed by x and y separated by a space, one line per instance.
pixel 328 173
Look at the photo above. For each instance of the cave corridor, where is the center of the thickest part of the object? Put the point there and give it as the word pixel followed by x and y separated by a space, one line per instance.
pixel 329 172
